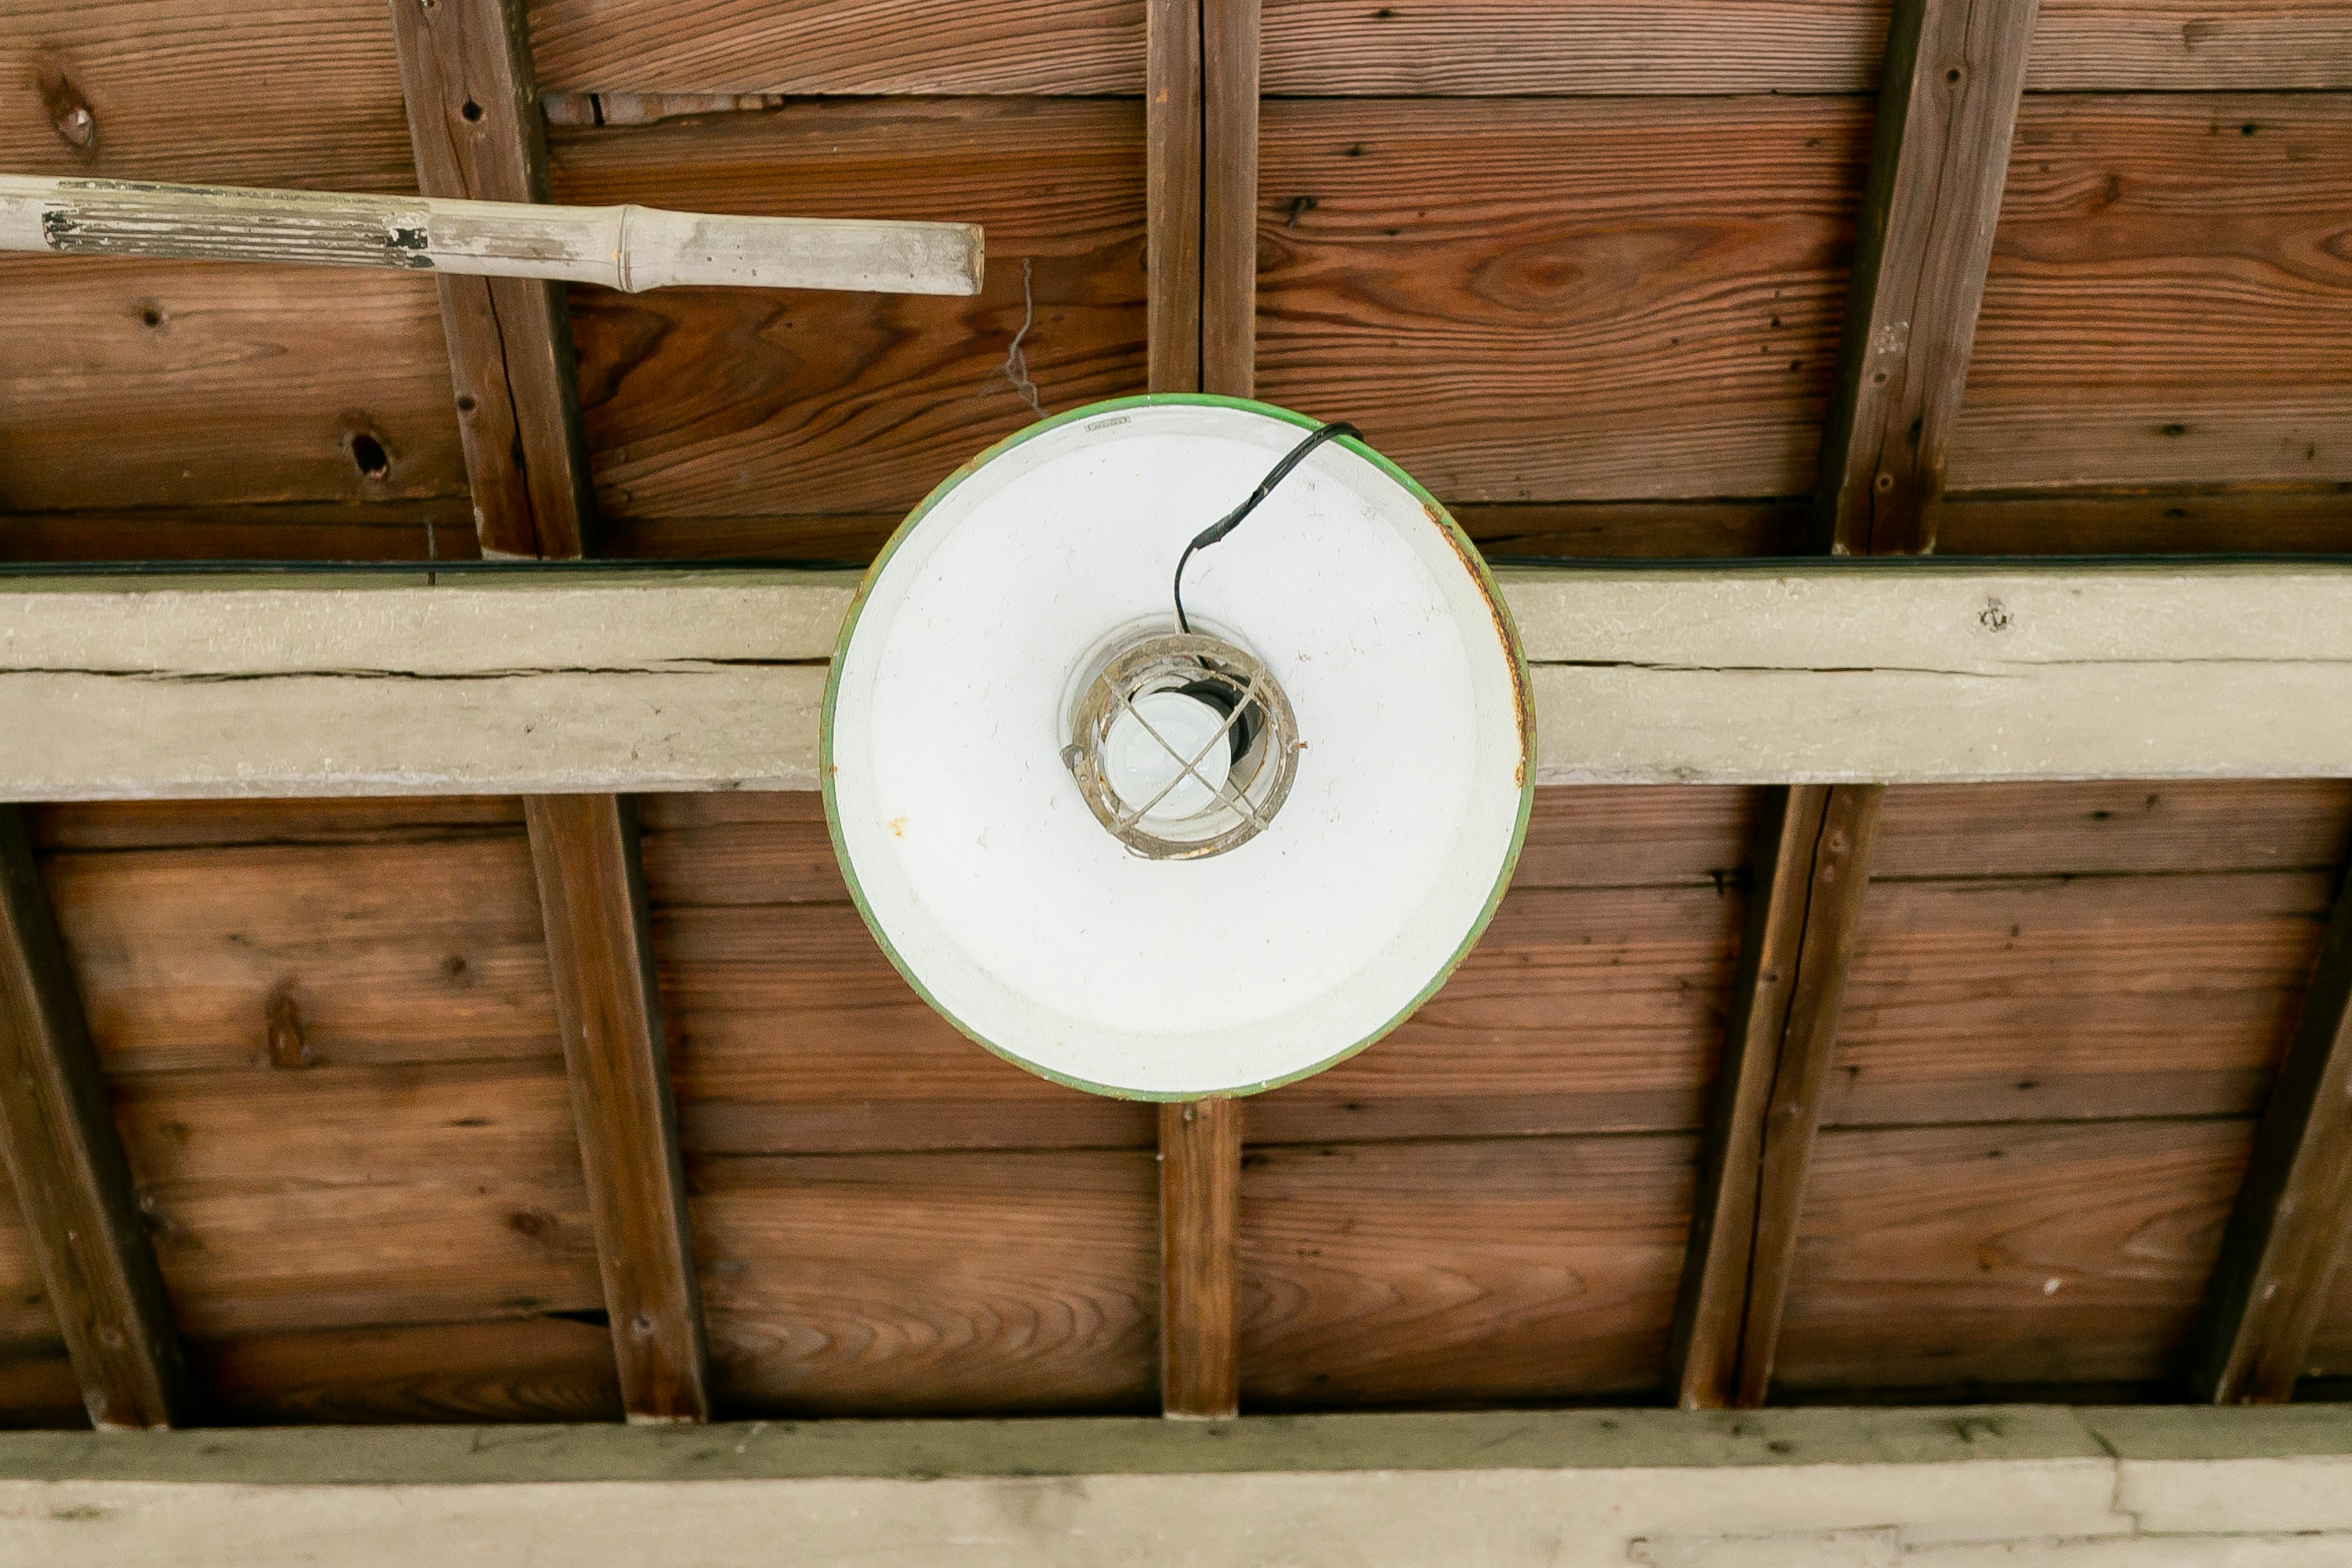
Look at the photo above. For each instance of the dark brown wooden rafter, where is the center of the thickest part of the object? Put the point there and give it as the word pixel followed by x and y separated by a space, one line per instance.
pixel 1229 73
pixel 474 115
pixel 1172 185
pixel 2292 1227
pixel 1947 106
pixel 1200 1183
pixel 73 1185
pixel 1947 110
pixel 475 119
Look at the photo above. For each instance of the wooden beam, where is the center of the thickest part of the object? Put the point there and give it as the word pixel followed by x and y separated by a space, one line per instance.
pixel 592 895
pixel 1814 866
pixel 516 681
pixel 1200 1182
pixel 475 118
pixel 2292 1227
pixel 1171 183
pixel 73 1185
pixel 1228 98
pixel 1947 110
pixel 475 121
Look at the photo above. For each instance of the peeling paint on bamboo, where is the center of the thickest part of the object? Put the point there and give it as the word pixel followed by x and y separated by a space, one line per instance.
pixel 628 248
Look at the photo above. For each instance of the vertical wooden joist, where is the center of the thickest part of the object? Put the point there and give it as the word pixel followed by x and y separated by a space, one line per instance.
pixel 475 119
pixel 1947 107
pixel 72 1182
pixel 1201 183
pixel 2292 1227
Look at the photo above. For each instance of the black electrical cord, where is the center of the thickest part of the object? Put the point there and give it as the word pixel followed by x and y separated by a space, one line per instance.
pixel 1233 520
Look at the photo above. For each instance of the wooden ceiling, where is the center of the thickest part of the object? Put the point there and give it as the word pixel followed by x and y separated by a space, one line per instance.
pixel 1583 268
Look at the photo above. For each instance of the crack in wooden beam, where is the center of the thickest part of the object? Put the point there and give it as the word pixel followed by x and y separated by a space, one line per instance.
pixel 1949 87
pixel 73 1184
pixel 475 118
pixel 2292 1227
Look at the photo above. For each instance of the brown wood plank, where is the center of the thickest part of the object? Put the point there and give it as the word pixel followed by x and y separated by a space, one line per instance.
pixel 2044 998
pixel 842 48
pixel 700 401
pixel 271 823
pixel 931 1284
pixel 388 531
pixel 1947 108
pixel 401 951
pixel 790 1033
pixel 1663 325
pixel 2168 298
pixel 852 538
pixel 475 119
pixel 2006 1257
pixel 1200 1183
pixel 1459 1273
pixel 38 1391
pixel 28 1325
pixel 1463 48
pixel 1647 530
pixel 1174 138
pixel 2292 1225
pixel 608 1003
pixel 2331 1344
pixel 1580 1011
pixel 245 92
pixel 522 1369
pixel 244 384
pixel 1229 196
pixel 2108 828
pixel 65 1159
pixel 2303 521
pixel 288 1199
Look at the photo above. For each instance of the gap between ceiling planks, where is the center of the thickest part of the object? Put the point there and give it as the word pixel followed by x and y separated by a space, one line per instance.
pixel 475 119
pixel 1954 73
pixel 72 1181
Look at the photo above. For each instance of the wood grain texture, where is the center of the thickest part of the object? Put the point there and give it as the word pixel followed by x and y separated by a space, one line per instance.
pixel 1463 48
pixel 1663 325
pixel 1579 1011
pixel 1199 1180
pixel 2288 1231
pixel 931 1284
pixel 334 1197
pixel 1459 1273
pixel 38 1390
pixel 2105 828
pixel 860 48
pixel 2314 520
pixel 28 1325
pixel 276 824
pixel 523 1369
pixel 2011 1256
pixel 1813 870
pixel 2221 215
pixel 301 93
pixel 387 530
pixel 600 952
pixel 1174 131
pixel 791 1033
pixel 243 384
pixel 400 952
pixel 1229 196
pixel 65 1159
pixel 702 402
pixel 1939 152
pixel 2045 998
pixel 1642 530
pixel 475 119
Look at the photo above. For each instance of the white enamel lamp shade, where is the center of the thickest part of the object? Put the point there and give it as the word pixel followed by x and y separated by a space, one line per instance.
pixel 1016 913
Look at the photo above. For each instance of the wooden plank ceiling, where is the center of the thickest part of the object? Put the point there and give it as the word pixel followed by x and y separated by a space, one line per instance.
pixel 1589 270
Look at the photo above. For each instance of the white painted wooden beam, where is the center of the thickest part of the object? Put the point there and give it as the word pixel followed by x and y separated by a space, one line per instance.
pixel 546 679
pixel 1990 1488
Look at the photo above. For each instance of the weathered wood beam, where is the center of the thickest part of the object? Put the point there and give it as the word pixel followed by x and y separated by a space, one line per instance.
pixel 1947 110
pixel 592 895
pixel 1172 185
pixel 523 679
pixel 2292 1227
pixel 1200 1183
pixel 475 119
pixel 1813 867
pixel 1229 99
pixel 73 1185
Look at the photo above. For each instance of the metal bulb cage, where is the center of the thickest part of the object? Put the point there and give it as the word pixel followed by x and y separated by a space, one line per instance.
pixel 1258 728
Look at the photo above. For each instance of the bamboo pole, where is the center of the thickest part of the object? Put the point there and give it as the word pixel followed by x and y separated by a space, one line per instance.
pixel 627 247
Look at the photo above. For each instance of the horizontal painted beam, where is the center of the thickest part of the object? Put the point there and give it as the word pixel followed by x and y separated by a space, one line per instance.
pixel 1851 1488
pixel 547 680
